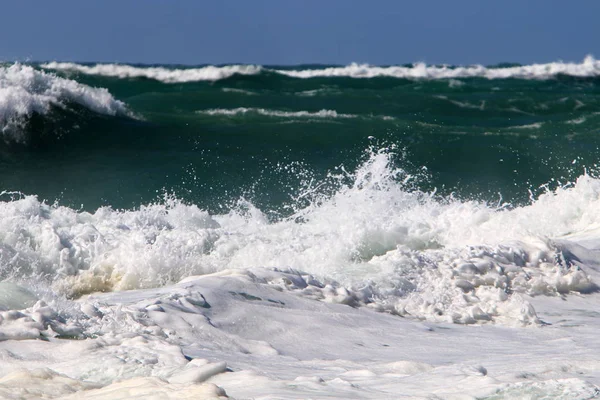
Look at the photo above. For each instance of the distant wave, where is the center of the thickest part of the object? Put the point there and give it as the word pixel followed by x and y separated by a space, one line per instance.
pixel 239 91
pixel 167 75
pixel 329 114
pixel 589 67
pixel 277 113
pixel 25 91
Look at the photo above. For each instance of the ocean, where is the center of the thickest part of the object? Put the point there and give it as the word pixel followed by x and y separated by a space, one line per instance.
pixel 310 231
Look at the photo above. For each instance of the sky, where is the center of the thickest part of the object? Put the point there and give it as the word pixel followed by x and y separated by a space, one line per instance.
pixel 377 32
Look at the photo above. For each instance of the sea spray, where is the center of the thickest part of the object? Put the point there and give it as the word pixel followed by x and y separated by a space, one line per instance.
pixel 394 247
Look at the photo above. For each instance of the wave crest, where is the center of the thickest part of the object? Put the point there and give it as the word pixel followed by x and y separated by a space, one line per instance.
pixel 25 91
pixel 373 242
pixel 276 113
pixel 589 67
pixel 167 75
pixel 321 114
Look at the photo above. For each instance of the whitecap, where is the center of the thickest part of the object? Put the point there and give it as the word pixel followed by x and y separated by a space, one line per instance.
pixel 167 75
pixel 321 114
pixel 25 91
pixel 276 113
pixel 376 242
pixel 589 67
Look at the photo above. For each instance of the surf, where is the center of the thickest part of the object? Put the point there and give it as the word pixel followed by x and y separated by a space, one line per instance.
pixel 371 234
pixel 587 68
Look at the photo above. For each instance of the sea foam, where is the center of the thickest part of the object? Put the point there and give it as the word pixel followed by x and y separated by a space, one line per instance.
pixel 228 301
pixel 375 242
pixel 276 113
pixel 25 91
pixel 167 75
pixel 321 114
pixel 589 67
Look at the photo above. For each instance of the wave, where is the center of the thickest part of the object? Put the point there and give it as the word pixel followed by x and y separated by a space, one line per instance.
pixel 536 125
pixel 373 242
pixel 25 91
pixel 276 113
pixel 240 91
pixel 321 114
pixel 167 75
pixel 589 67
pixel 318 92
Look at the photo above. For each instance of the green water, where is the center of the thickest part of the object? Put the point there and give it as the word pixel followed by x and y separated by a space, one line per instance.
pixel 260 136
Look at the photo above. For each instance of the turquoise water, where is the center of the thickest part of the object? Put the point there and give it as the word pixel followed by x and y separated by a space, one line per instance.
pixel 263 135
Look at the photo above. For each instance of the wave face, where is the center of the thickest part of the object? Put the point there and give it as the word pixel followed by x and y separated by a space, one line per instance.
pixel 439 193
pixel 25 91
pixel 589 67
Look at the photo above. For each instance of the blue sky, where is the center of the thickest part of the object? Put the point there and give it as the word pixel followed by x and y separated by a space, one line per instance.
pixel 300 31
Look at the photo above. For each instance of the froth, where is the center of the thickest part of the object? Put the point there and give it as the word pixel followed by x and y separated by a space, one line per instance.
pixel 374 242
pixel 589 67
pixel 321 114
pixel 167 75
pixel 277 113
pixel 25 91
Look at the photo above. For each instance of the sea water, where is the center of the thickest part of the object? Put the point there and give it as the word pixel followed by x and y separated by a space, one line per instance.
pixel 299 232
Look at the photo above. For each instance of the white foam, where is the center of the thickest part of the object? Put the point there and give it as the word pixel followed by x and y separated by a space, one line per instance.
pixel 455 83
pixel 25 91
pixel 321 114
pixel 466 104
pixel 167 75
pixel 327 91
pixel 276 113
pixel 589 67
pixel 14 297
pixel 535 125
pixel 576 121
pixel 240 91
pixel 36 322
pixel 235 334
pixel 374 242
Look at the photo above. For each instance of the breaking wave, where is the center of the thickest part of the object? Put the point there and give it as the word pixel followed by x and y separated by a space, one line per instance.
pixel 167 75
pixel 373 242
pixel 276 113
pixel 321 114
pixel 589 67
pixel 26 92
